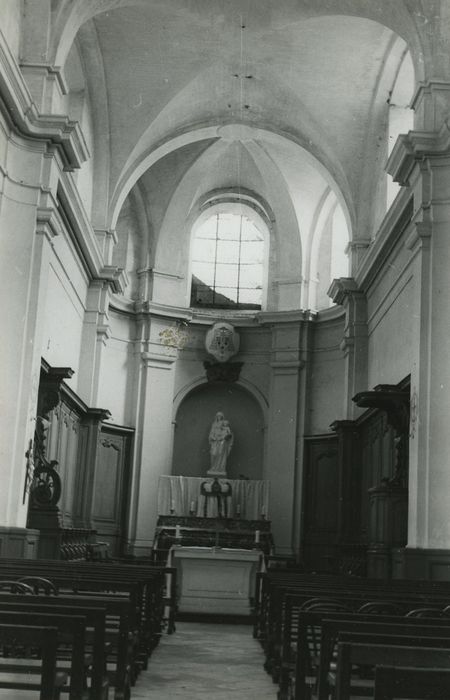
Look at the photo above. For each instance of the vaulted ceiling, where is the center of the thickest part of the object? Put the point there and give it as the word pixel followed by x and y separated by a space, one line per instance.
pixel 284 99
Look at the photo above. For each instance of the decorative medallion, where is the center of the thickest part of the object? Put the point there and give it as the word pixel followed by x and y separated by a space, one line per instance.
pixel 222 341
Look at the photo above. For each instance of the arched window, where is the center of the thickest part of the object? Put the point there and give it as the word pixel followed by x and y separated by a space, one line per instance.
pixel 228 261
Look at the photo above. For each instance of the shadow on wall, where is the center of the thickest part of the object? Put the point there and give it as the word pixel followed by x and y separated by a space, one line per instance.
pixel 193 422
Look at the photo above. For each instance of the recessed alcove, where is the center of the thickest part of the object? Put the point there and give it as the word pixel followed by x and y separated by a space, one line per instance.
pixel 193 422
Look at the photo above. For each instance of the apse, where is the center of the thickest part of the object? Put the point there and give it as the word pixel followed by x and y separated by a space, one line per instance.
pixel 193 422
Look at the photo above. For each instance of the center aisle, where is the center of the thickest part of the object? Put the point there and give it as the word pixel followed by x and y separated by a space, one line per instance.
pixel 206 661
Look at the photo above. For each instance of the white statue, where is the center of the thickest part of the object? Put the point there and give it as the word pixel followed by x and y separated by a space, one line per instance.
pixel 220 443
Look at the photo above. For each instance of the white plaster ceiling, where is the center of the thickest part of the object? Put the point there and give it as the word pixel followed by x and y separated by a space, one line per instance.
pixel 279 98
pixel 173 66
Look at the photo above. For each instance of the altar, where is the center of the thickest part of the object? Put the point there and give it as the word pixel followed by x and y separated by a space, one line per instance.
pixel 214 580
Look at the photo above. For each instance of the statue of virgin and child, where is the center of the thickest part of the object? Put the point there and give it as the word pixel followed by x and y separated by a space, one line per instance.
pixel 220 443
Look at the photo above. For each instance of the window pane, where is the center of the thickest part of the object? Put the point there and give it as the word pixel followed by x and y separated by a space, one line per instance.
pixel 228 251
pixel 204 250
pixel 226 275
pixel 204 272
pixel 208 228
pixel 250 276
pixel 250 296
pixel 229 227
pixel 250 232
pixel 252 252
pixel 225 295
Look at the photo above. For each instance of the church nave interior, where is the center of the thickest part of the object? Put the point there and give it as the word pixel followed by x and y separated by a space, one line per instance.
pixel 225 254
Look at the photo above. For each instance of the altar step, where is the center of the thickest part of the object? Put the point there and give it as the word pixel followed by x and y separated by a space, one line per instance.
pixel 200 660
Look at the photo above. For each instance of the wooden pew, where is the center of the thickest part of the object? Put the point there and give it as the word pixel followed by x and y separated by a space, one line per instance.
pixel 402 682
pixel 149 583
pixel 350 653
pixel 94 633
pixel 70 628
pixel 143 623
pixel 43 638
pixel 306 672
pixel 113 607
pixel 377 632
pixel 282 632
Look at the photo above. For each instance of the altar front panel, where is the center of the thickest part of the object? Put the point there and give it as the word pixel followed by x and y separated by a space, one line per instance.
pixel 216 581
pixel 180 495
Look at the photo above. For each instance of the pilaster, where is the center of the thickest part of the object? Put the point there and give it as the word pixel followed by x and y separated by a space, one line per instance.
pixel 28 229
pixel 421 161
pixel 154 434
pixel 285 366
pixel 345 292
pixel 96 332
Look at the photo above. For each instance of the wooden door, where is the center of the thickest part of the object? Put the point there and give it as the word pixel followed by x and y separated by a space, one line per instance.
pixel 321 504
pixel 111 490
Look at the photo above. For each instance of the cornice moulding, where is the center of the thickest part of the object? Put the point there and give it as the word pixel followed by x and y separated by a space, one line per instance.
pixel 280 317
pixel 341 288
pixel 392 228
pixel 415 146
pixel 333 313
pixel 20 110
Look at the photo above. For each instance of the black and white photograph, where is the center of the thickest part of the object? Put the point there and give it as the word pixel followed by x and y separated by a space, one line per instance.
pixel 225 357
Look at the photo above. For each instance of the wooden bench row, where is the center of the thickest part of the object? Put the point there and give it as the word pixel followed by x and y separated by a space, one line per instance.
pixel 108 619
pixel 293 643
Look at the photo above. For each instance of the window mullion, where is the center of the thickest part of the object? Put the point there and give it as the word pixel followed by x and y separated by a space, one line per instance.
pixel 215 258
pixel 239 261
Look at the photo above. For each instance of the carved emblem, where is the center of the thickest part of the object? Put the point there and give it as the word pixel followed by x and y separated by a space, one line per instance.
pixel 222 341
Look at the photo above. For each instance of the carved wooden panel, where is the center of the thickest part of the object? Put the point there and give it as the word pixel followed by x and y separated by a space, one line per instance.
pixel 321 503
pixel 107 493
pixel 377 454
pixel 63 446
pixel 111 487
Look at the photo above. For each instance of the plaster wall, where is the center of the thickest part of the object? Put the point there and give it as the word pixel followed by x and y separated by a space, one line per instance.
pixel 117 363
pixel 327 377
pixel 64 310
pixel 10 23
pixel 254 353
pixel 393 320
pixel 63 325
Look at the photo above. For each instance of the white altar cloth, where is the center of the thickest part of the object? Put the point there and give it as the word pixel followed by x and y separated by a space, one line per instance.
pixel 177 494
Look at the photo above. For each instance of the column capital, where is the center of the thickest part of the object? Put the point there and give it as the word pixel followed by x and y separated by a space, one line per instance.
pixel 415 147
pixel 159 360
pixel 343 288
pixel 430 103
pixel 419 235
pixel 48 222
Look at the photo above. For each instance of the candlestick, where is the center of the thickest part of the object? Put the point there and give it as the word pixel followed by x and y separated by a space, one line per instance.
pixel 257 535
pixel 177 532
pixel 192 506
pixel 238 510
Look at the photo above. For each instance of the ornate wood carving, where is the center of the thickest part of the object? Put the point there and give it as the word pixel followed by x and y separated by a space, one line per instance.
pixel 395 403
pixel 45 486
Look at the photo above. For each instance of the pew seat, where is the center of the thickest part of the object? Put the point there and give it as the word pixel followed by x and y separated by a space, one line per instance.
pixel 393 682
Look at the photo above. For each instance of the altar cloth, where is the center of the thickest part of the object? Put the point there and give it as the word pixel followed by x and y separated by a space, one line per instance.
pixel 180 495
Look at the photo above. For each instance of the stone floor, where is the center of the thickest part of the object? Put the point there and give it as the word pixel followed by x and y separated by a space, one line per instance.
pixel 200 660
